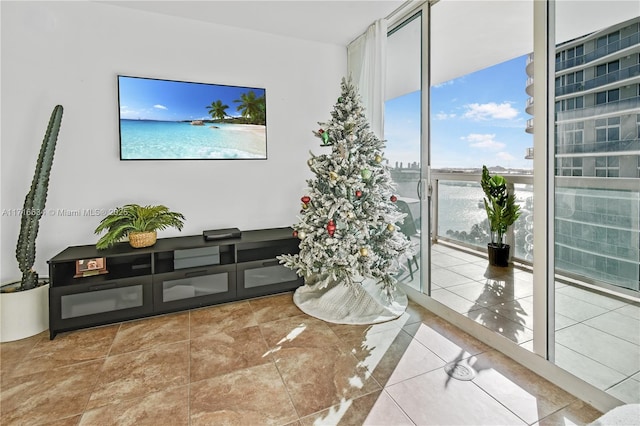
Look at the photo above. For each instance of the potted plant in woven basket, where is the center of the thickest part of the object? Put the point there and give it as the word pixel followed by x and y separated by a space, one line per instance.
pixel 502 212
pixel 139 223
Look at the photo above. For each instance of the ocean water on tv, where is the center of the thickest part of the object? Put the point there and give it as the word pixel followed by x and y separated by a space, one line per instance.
pixel 146 139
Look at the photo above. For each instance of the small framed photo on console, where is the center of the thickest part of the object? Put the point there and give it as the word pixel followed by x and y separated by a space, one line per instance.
pixel 90 267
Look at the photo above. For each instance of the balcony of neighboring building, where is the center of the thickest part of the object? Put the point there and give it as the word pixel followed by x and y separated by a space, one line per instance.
pixel 529 107
pixel 529 86
pixel 529 65
pixel 601 52
pixel 629 75
pixel 629 105
pixel 528 154
pixel 529 128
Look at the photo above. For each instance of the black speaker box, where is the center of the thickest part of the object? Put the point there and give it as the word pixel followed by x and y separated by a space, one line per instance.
pixel 221 234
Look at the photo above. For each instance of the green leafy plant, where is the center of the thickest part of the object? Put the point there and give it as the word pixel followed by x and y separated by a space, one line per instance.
pixel 501 207
pixel 34 203
pixel 135 218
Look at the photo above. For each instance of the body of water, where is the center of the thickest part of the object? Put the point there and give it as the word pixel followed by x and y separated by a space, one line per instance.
pixel 459 207
pixel 145 139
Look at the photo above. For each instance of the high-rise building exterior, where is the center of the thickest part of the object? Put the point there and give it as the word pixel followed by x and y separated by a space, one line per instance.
pixel 597 155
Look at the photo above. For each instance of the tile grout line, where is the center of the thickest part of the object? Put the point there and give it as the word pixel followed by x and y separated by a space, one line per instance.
pixel 273 361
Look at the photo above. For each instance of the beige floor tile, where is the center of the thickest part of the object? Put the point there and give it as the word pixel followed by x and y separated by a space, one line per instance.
pixel 215 319
pixel 318 378
pixel 526 394
pixel 68 348
pixel 13 353
pixel 604 348
pixel 136 374
pixel 47 396
pixel 445 340
pixel 453 301
pixel 593 372
pixel 150 332
pixel 160 408
pixel 611 323
pixel 627 391
pixel 394 356
pixel 300 331
pixel 435 398
pixel 253 396
pixel 69 421
pixel 376 408
pixel 222 353
pixel 274 307
pixel 577 413
pixel 415 313
pixel 446 278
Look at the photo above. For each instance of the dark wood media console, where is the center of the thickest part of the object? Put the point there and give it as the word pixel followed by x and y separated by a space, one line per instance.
pixel 175 274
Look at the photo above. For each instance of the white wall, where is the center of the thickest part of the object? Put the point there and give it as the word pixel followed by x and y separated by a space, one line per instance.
pixel 69 53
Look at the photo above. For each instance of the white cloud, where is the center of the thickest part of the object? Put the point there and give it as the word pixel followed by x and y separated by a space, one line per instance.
pixel 160 107
pixel 503 111
pixel 486 141
pixel 446 83
pixel 443 116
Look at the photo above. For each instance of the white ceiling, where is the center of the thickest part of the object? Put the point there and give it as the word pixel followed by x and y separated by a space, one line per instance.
pixel 327 21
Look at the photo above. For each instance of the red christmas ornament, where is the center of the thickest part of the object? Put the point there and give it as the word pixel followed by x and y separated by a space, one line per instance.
pixel 295 233
pixel 305 199
pixel 358 193
pixel 393 198
pixel 331 228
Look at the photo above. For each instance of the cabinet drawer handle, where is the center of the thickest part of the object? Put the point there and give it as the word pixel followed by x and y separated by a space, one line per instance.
pixel 195 273
pixel 271 263
pixel 103 286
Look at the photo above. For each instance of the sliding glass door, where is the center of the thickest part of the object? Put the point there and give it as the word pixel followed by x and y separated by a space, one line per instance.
pixel 480 116
pixel 403 132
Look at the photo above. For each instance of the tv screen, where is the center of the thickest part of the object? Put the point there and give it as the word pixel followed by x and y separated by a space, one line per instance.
pixel 179 120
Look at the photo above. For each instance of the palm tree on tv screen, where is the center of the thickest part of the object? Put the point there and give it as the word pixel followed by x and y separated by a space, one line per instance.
pixel 218 110
pixel 252 107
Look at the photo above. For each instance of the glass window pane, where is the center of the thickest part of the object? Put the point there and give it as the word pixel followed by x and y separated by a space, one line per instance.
pixel 596 239
pixel 402 127
pixel 478 117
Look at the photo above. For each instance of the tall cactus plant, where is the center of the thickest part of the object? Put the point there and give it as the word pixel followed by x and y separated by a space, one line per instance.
pixel 34 203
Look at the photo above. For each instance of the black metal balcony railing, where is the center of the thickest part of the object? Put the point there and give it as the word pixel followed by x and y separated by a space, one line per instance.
pixel 602 80
pixel 600 52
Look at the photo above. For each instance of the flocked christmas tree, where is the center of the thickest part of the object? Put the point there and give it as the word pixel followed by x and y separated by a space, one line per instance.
pixel 348 226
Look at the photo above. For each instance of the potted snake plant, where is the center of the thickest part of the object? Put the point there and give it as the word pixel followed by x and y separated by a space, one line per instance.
pixel 502 212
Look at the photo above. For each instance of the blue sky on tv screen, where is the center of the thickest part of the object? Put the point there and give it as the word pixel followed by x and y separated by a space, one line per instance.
pixel 149 99
pixel 476 119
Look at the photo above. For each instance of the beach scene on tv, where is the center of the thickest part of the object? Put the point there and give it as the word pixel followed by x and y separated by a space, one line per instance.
pixel 177 120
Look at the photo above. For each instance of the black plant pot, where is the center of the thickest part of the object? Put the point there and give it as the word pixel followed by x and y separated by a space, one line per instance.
pixel 498 254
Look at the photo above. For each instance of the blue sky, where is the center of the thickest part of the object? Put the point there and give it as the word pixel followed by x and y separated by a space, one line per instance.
pixel 475 119
pixel 148 99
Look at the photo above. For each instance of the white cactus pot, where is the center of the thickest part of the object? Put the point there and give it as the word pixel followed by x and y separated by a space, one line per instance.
pixel 24 313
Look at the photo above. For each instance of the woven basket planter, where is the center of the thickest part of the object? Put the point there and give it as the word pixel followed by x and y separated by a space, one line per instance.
pixel 142 239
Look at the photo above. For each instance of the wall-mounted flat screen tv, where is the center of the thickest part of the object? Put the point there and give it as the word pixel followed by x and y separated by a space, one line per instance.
pixel 179 120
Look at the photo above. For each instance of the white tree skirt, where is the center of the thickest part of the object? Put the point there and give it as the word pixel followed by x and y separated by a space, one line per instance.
pixel 342 304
